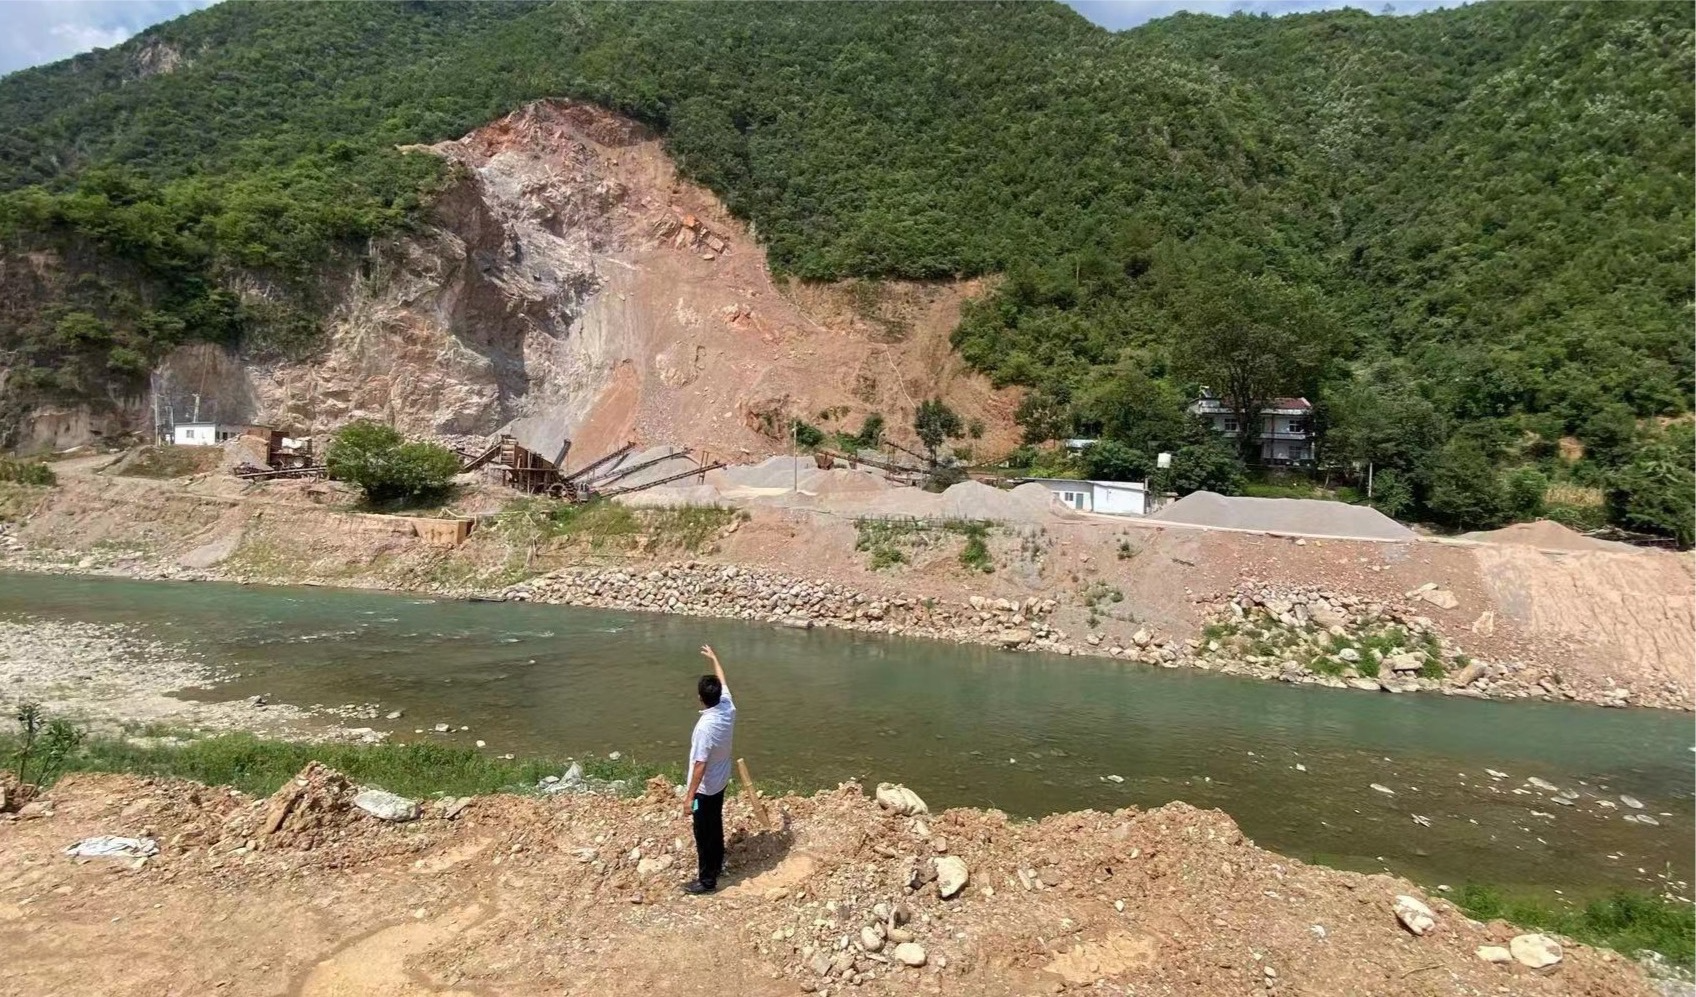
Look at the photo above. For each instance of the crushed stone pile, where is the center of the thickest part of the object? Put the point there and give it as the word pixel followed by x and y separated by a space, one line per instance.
pixel 1548 535
pixel 1332 519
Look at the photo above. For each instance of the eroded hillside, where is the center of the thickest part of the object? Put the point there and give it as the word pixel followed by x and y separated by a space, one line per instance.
pixel 571 281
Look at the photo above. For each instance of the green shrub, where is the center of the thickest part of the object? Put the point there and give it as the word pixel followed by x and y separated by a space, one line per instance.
pixel 975 553
pixel 807 435
pixel 885 557
pixel 390 469
pixel 871 431
pixel 44 745
pixel 26 472
pixel 1523 490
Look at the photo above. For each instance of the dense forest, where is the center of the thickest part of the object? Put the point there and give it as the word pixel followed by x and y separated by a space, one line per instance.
pixel 1465 235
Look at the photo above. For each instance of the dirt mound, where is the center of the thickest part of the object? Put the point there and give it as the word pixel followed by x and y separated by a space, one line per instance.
pixel 308 810
pixel 1548 535
pixel 836 894
pixel 1311 516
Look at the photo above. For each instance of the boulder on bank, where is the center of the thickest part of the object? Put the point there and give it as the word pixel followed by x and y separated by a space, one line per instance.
pixel 385 805
pixel 899 799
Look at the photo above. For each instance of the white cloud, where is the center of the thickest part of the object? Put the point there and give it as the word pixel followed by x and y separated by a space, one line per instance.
pixel 40 31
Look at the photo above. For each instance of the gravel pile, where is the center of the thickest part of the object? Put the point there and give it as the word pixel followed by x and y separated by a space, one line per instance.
pixel 1548 535
pixel 1331 519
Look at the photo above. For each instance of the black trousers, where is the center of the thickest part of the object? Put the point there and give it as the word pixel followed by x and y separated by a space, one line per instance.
pixel 708 821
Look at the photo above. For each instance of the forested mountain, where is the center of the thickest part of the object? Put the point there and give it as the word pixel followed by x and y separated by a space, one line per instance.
pixel 1465 234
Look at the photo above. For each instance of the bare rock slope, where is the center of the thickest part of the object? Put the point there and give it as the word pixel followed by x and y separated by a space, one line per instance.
pixel 574 284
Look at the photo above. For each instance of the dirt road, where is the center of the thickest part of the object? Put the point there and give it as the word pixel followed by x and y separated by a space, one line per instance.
pixel 579 895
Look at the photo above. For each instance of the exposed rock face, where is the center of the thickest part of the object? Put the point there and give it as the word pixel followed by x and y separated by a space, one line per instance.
pixel 574 286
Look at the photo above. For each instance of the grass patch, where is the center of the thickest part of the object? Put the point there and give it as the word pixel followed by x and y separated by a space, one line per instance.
pixel 168 461
pixel 1627 921
pixel 26 472
pixel 686 527
pixel 884 538
pixel 602 524
pixel 1577 496
pixel 1582 518
pixel 974 555
pixel 886 557
pixel 258 766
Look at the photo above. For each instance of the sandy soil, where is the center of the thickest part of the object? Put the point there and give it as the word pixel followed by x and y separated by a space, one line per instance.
pixel 300 895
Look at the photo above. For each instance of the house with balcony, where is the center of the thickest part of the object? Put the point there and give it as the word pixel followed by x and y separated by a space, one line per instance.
pixel 1285 430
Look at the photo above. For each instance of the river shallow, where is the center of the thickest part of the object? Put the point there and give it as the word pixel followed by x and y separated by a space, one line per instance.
pixel 966 726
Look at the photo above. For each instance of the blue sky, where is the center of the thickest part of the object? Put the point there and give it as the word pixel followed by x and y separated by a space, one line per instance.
pixel 39 31
pixel 1119 14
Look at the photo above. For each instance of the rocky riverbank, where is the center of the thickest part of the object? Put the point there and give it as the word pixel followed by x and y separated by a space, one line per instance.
pixel 113 679
pixel 1308 635
pixel 1304 636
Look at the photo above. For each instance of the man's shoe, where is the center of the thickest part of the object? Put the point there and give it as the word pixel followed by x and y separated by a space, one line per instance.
pixel 696 887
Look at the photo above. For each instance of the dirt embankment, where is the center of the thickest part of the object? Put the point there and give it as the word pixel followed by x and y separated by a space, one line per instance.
pixel 303 894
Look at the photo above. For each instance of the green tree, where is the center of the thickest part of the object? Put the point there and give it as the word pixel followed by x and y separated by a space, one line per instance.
pixel 1110 460
pixel 1464 490
pixel 1250 338
pixel 1123 403
pixel 388 467
pixel 1656 491
pixel 1522 493
pixel 935 424
pixel 1211 465
pixel 1392 495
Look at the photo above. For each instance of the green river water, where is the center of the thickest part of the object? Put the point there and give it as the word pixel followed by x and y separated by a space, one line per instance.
pixel 965 726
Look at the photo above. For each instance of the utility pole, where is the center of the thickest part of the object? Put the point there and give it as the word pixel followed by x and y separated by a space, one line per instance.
pixel 794 456
pixel 153 389
pixel 1368 479
pixel 196 416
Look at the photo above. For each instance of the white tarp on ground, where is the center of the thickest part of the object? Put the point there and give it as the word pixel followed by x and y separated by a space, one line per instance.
pixel 106 846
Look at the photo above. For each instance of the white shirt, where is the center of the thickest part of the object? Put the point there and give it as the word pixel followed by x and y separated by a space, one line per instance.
pixel 711 744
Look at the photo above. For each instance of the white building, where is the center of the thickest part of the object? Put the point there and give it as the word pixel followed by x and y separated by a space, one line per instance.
pixel 203 434
pixel 1286 426
pixel 1114 498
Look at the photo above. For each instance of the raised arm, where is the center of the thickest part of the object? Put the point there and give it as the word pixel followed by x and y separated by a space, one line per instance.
pixel 718 669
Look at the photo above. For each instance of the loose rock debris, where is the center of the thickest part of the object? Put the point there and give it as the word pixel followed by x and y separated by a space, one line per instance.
pixel 578 892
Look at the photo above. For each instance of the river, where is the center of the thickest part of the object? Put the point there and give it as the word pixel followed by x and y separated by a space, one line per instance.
pixel 966 726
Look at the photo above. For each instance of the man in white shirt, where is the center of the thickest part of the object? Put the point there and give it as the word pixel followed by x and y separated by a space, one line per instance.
pixel 709 773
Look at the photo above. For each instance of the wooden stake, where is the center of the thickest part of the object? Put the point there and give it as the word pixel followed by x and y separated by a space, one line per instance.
pixel 752 796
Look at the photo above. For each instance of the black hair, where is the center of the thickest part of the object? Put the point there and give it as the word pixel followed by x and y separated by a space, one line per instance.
pixel 709 689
